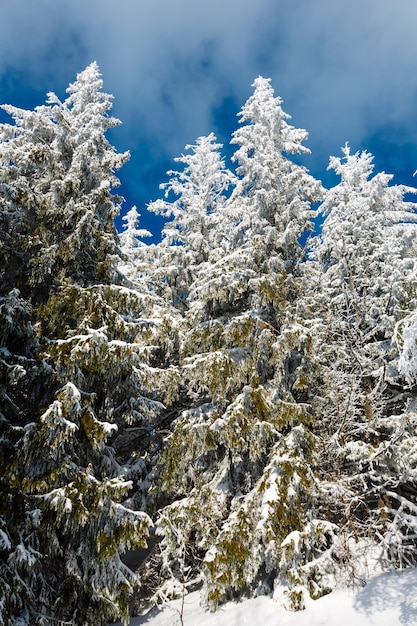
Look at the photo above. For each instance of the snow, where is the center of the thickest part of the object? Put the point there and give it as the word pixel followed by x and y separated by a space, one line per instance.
pixel 388 599
pixel 4 541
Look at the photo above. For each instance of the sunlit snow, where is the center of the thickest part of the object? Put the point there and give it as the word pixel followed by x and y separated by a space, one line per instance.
pixel 388 599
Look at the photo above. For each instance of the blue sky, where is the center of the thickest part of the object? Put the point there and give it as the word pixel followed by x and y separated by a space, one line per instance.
pixel 347 71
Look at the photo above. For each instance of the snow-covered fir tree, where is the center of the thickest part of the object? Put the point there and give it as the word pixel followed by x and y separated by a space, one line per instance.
pixel 190 236
pixel 130 240
pixel 361 281
pixel 77 360
pixel 366 247
pixel 238 463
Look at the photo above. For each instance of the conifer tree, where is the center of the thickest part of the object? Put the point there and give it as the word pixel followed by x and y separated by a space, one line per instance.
pixel 189 238
pixel 366 247
pixel 130 240
pixel 274 194
pixel 77 361
pixel 238 461
pixel 364 261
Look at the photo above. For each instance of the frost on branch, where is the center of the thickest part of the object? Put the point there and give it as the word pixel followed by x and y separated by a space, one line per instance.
pixel 407 336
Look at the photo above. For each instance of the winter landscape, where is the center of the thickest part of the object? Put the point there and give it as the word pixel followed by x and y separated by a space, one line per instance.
pixel 218 420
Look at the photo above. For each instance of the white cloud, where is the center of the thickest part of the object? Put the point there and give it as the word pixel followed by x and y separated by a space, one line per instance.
pixel 345 69
pixel 350 65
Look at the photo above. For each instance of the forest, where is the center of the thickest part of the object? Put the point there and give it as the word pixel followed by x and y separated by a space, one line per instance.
pixel 246 386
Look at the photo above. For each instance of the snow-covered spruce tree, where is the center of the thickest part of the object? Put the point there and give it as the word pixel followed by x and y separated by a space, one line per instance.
pixel 366 249
pixel 239 463
pixel 188 239
pixel 130 242
pixel 77 359
pixel 361 285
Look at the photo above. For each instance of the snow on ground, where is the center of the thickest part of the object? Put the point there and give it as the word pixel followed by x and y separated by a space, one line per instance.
pixel 388 599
